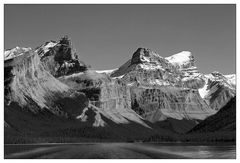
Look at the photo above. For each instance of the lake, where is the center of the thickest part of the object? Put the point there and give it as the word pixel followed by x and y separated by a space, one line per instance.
pixel 119 151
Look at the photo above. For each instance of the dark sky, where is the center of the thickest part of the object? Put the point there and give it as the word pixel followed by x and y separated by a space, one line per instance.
pixel 107 35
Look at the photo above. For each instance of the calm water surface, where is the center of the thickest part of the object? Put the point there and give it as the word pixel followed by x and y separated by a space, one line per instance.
pixel 120 151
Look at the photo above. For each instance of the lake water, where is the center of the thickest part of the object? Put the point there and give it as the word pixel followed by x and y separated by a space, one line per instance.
pixel 120 151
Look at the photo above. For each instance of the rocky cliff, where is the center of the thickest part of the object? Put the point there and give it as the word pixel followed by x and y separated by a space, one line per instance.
pixel 29 84
pixel 109 97
pixel 158 104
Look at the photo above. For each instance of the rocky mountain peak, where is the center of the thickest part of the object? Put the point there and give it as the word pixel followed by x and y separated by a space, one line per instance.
pixel 182 60
pixel 60 58
pixel 142 55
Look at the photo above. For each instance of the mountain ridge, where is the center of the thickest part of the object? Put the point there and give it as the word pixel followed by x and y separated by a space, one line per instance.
pixel 148 91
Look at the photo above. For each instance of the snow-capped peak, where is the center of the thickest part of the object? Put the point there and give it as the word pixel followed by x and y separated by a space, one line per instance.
pixel 182 58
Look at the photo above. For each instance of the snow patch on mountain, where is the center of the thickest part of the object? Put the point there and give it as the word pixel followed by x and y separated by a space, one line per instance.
pixel 181 58
pixel 48 46
pixel 12 53
pixel 204 91
pixel 218 90
pixel 185 61
pixel 231 79
pixel 106 71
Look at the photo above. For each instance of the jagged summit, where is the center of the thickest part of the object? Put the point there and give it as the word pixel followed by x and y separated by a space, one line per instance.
pixel 150 59
pixel 183 59
pixel 145 55
pixel 60 58
pixel 144 59
pixel 150 67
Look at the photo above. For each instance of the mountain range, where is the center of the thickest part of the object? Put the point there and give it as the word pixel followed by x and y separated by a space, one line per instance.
pixel 50 95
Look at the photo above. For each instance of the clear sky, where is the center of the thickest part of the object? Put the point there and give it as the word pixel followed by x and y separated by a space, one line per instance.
pixel 106 36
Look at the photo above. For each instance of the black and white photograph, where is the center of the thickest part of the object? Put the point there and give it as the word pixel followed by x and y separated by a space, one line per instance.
pixel 119 81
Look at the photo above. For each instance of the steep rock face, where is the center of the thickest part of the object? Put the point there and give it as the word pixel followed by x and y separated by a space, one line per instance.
pixel 185 62
pixel 217 90
pixel 115 100
pixel 59 58
pixel 158 104
pixel 109 97
pixel 30 84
